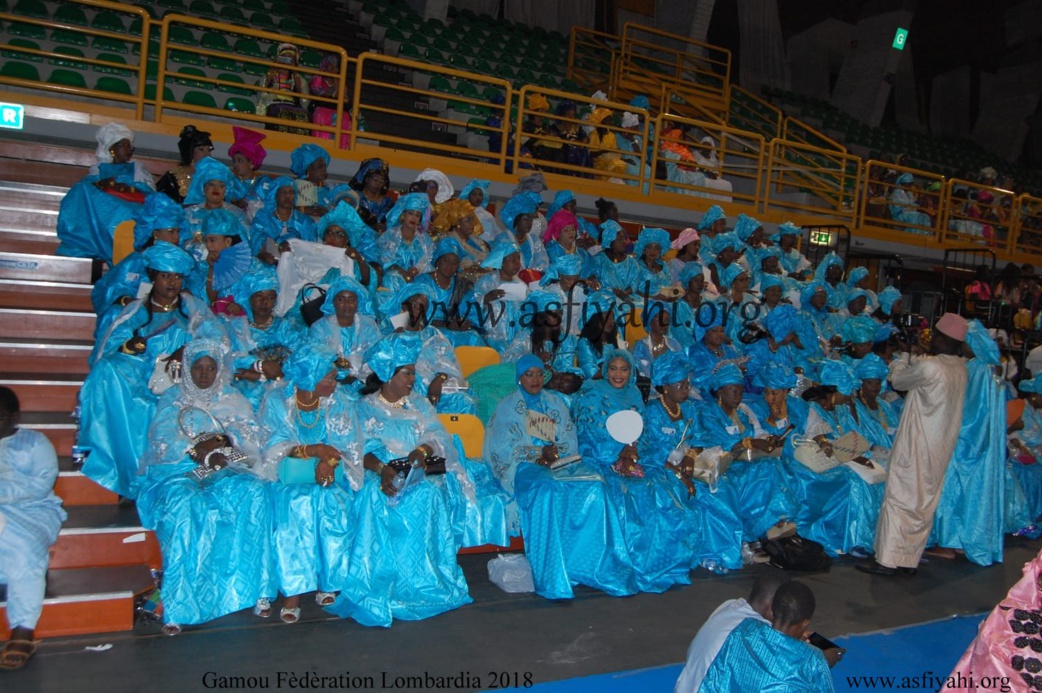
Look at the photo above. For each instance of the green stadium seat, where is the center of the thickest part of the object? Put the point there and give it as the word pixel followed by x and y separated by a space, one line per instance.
pixel 490 92
pixel 198 98
pixel 186 58
pixel 150 93
pixel 254 69
pixel 443 44
pixel 263 21
pixel 240 105
pixel 229 77
pixel 71 51
pixel 150 9
pixel 310 58
pixel 280 7
pixel 19 70
pixel 153 45
pixel 70 14
pixel 439 83
pixel 394 34
pixel 254 5
pixel 104 43
pixel 152 69
pixel 225 64
pixel 110 21
pixel 182 35
pixel 245 46
pixel 194 72
pixel 459 61
pixel 481 66
pixel 67 78
pixel 435 26
pixel 407 50
pixel 292 25
pixel 232 14
pixel 108 69
pixel 436 57
pixel 135 28
pixel 464 88
pixel 33 31
pixel 215 42
pixel 22 43
pixel 202 8
pixel 31 8
pixel 114 85
pixel 175 5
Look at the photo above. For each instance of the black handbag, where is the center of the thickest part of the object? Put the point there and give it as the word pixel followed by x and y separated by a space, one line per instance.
pixel 311 308
pixel 435 465
pixel 796 553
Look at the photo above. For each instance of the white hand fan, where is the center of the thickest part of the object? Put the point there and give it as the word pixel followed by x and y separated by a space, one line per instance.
pixel 625 426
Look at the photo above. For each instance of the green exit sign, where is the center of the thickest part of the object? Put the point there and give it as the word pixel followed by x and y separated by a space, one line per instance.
pixel 820 238
pixel 12 116
pixel 900 38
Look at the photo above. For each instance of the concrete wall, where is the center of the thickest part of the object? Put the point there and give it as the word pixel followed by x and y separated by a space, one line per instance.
pixel 817 53
pixel 761 46
pixel 861 89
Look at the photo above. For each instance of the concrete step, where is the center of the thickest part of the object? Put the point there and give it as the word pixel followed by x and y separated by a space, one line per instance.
pixel 45 324
pixel 43 392
pixel 104 535
pixel 47 268
pixel 34 356
pixel 76 489
pixel 29 242
pixel 28 218
pixel 81 601
pixel 31 196
pixel 42 295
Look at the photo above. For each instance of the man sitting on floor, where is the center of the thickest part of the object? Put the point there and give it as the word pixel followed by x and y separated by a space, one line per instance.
pixel 713 633
pixel 761 657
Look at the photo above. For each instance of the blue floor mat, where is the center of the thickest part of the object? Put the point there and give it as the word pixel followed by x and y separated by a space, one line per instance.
pixel 916 656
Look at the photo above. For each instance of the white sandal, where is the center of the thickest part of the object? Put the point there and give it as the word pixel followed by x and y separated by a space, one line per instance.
pixel 289 615
pixel 262 608
pixel 325 598
pixel 171 629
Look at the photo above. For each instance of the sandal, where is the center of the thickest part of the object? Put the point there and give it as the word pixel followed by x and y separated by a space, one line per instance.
pixel 11 659
pixel 324 598
pixel 262 608
pixel 289 615
pixel 171 629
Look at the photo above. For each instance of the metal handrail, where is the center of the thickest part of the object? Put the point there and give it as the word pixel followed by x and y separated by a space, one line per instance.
pixel 953 216
pixel 865 219
pixel 812 178
pixel 790 131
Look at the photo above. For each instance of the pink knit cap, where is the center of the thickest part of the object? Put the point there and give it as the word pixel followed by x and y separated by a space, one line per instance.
pixel 953 325
pixel 685 237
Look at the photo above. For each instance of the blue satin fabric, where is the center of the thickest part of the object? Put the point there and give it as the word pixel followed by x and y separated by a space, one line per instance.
pixel 714 530
pixel 616 275
pixel 246 338
pixel 1029 476
pixel 267 226
pixel 970 514
pixel 215 539
pixel 442 308
pixel 87 220
pixel 756 657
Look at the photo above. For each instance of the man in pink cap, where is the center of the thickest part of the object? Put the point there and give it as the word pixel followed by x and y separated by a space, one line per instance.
pixel 923 445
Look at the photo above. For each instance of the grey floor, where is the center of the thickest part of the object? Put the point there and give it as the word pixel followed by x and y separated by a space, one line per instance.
pixel 499 632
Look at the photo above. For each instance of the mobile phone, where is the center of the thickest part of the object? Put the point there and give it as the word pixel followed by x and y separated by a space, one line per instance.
pixel 821 642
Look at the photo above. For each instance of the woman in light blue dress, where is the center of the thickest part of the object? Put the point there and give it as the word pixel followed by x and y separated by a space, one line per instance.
pixel 904 207
pixel 614 268
pixel 116 402
pixel 519 215
pixel 348 327
pixel 653 522
pixel 563 229
pixel 667 449
pixel 278 221
pixel 652 274
pixel 208 500
pixel 314 444
pixel 792 260
pixel 405 247
pixel 657 319
pixel 208 192
pixel 711 349
pixel 692 280
pixel 451 310
pixel 1026 447
pixel 419 521
pixel 500 316
pixel 572 533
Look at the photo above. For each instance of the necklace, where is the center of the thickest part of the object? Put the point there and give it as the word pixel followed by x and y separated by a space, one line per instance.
pixel 264 325
pixel 437 280
pixel 733 415
pixel 397 404
pixel 657 348
pixel 675 415
pixel 305 424
pixel 302 406
pixel 164 307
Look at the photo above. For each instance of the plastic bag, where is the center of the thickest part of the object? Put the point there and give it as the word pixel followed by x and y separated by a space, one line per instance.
pixel 511 573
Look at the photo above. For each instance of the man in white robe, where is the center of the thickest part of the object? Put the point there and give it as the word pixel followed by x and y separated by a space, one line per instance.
pixel 30 517
pixel 923 445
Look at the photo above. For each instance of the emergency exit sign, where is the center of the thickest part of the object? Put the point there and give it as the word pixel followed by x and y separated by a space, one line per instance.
pixel 900 38
pixel 820 238
pixel 12 116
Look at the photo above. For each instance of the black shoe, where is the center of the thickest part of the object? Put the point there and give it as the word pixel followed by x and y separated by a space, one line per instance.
pixel 876 568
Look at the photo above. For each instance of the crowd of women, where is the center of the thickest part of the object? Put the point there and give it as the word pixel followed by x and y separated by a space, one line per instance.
pixel 272 359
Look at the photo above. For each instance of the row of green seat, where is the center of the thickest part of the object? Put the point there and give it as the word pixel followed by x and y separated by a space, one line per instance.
pixel 206 8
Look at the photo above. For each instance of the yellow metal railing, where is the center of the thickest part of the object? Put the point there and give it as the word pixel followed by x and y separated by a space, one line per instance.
pixel 974 214
pixel 558 143
pixel 903 208
pixel 795 130
pixel 689 162
pixel 828 178
pixel 674 60
pixel 370 98
pixel 591 57
pixel 170 72
pixel 1027 211
pixel 21 73
pixel 688 105
pixel 760 117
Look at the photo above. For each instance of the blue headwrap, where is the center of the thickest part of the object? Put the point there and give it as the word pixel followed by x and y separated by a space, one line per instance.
pixel 689 272
pixel 884 332
pixel 727 374
pixel 769 280
pixel 777 376
pixel 854 294
pixel 839 375
pixel 710 217
pixel 811 288
pixel 560 200
pixel 527 363
pixel 609 356
pixel 365 300
pixel 221 222
pixel 905 178
pixel 391 353
pixel 271 191
pixel 726 240
pixel 859 329
pixel 610 229
pixel 855 275
pixel 786 228
pixel 871 367
pixel 264 279
pixel 367 168
pixel 648 236
pixel 476 184
pixel 167 257
pixel 598 302
pixel 445 246
pixel 158 212
pixel 769 251
pixel 305 155
pixel 780 321
pixel 544 300
pixel 569 265
pixel 650 312
pixel 346 217
pixel 1034 385
pixel 709 315
pixel 206 170
pixel 823 266
pixel 671 367
pixel 309 363
pixel 887 298
pixel 729 274
pixel 744 226
pixel 640 101
pixel 984 347
pixel 411 202
pixel 501 248
pixel 523 203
